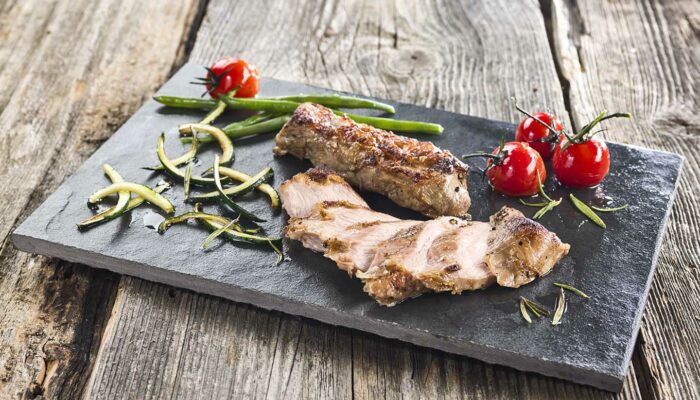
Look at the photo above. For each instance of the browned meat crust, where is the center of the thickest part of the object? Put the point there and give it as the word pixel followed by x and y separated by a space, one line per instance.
pixel 520 249
pixel 400 259
pixel 412 173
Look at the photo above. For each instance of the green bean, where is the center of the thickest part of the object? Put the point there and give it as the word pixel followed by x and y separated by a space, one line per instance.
pixel 236 131
pixel 336 101
pixel 269 125
pixel 270 105
pixel 186 102
pixel 278 106
pixel 396 125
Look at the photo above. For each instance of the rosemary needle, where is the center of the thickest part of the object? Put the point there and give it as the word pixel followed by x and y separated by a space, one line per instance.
pixel 571 289
pixel 535 307
pixel 585 210
pixel 561 305
pixel 613 209
pixel 547 205
pixel 523 311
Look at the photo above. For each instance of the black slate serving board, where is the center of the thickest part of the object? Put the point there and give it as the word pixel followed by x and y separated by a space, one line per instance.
pixel 593 345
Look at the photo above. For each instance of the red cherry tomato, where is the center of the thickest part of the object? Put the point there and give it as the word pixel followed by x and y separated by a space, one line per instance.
pixel 581 164
pixel 538 136
pixel 231 73
pixel 515 173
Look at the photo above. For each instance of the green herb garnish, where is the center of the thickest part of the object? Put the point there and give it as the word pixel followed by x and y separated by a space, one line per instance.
pixel 547 206
pixel 559 311
pixel 587 211
pixel 613 209
pixel 571 289
pixel 523 311
pixel 536 308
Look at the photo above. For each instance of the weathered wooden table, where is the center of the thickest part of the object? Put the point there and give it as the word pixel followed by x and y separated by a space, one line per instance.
pixel 72 71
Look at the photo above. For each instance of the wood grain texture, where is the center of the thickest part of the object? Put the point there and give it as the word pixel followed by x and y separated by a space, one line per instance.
pixel 644 57
pixel 71 72
pixel 470 58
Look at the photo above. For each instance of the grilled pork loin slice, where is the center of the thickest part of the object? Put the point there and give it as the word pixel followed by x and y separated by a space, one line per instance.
pixel 414 174
pixel 399 259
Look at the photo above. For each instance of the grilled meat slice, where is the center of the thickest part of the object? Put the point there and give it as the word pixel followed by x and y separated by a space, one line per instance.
pixel 399 259
pixel 413 174
pixel 317 185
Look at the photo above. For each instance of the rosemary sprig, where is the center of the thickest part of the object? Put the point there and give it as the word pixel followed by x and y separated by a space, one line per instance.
pixel 547 206
pixel 523 311
pixel 525 203
pixel 571 289
pixel 585 132
pixel 612 209
pixel 585 210
pixel 536 308
pixel 559 311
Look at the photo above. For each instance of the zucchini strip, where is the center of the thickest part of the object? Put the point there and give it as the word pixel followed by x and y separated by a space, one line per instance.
pixel 183 159
pixel 124 196
pixel 144 191
pixel 172 169
pixel 215 224
pixel 249 183
pixel 232 204
pixel 263 187
pixel 217 233
pixel 198 214
pixel 214 113
pixel 241 236
pixel 227 154
pixel 133 203
pixel 188 177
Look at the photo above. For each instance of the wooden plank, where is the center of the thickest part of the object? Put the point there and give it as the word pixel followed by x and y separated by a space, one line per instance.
pixel 469 58
pixel 642 57
pixel 72 71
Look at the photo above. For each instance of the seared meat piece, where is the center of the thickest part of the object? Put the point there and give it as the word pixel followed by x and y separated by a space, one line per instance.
pixel 304 191
pixel 413 174
pixel 399 259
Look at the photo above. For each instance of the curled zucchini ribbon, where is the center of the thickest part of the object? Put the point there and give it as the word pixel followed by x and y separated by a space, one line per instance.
pixel 103 217
pixel 124 195
pixel 220 225
pixel 144 191
pixel 248 184
pixel 176 172
pixel 243 213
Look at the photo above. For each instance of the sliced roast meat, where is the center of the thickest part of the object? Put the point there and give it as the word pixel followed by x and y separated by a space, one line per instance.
pixel 399 259
pixel 414 174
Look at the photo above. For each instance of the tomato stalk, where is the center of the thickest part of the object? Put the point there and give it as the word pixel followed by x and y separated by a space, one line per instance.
pixel 553 137
pixel 585 133
pixel 213 80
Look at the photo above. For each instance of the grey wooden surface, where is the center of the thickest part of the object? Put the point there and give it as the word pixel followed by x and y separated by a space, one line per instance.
pixel 72 72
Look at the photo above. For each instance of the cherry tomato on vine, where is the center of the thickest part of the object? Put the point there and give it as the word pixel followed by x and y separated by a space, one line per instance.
pixel 228 74
pixel 537 135
pixel 581 165
pixel 513 167
pixel 582 160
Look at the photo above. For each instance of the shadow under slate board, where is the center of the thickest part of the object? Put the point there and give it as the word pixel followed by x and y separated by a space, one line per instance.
pixel 593 345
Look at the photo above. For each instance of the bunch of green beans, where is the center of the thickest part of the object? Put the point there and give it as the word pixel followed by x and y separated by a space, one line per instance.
pixel 274 112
